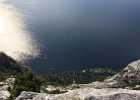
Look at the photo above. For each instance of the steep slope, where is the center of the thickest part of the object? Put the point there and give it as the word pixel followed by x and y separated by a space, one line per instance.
pixel 129 76
pixel 9 65
pixel 15 78
pixel 110 89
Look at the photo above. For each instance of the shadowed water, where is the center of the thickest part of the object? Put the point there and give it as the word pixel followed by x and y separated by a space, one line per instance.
pixel 76 33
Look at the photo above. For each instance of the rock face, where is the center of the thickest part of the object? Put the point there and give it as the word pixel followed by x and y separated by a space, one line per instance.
pixel 27 95
pixel 9 65
pixel 85 94
pixel 8 68
pixel 110 89
pixel 130 75
pixel 4 88
pixel 4 94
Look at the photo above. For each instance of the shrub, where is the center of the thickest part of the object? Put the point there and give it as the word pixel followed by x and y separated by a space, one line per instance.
pixel 26 82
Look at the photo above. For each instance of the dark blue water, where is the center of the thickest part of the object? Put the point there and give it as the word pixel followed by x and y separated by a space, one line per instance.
pixel 77 33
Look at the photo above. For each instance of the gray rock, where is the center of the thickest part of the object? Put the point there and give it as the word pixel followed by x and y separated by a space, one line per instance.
pixel 110 89
pixel 5 86
pixel 27 96
pixel 129 76
pixel 85 94
pixel 4 94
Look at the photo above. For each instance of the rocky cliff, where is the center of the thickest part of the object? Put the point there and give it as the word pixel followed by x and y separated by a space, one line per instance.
pixel 10 66
pixel 113 88
pixel 118 87
pixel 128 77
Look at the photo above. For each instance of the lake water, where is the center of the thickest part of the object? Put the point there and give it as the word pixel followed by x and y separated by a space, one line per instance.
pixel 76 33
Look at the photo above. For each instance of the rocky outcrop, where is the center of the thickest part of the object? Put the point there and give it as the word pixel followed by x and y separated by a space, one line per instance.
pixel 129 77
pixel 110 89
pixel 85 94
pixel 118 87
pixel 4 88
pixel 4 94
pixel 27 96
pixel 10 66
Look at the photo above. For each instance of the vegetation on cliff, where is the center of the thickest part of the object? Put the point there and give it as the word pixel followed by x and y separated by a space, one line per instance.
pixel 83 76
pixel 26 80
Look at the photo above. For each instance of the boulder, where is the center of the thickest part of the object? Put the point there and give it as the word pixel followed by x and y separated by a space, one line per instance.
pixel 4 88
pixel 85 94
